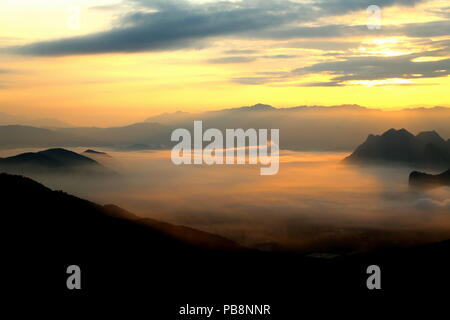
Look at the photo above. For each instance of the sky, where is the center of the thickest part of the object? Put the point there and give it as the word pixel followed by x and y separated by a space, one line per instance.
pixel 113 62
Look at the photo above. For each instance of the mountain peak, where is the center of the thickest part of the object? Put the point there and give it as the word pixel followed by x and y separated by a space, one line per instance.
pixel 394 132
pixel 256 107
pixel 94 152
pixel 261 106
pixel 65 155
pixel 427 149
pixel 57 150
pixel 52 161
pixel 430 137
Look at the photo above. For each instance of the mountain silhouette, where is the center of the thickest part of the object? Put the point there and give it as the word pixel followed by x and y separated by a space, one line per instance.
pixel 125 257
pixel 184 234
pixel 52 161
pixel 94 152
pixel 54 228
pixel 431 137
pixel 427 149
pixel 304 128
pixel 83 215
pixel 8 119
pixel 421 179
pixel 18 136
pixel 90 152
pixel 142 132
pixel 259 107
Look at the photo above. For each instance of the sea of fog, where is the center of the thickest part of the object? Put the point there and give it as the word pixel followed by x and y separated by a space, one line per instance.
pixel 315 203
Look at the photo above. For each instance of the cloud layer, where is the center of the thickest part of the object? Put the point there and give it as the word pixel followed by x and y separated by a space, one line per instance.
pixel 166 25
pixel 156 25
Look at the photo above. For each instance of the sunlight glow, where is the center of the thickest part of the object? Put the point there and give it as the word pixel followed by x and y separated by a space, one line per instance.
pixel 371 83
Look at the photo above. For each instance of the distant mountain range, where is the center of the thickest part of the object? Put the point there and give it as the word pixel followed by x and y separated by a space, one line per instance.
pixel 421 179
pixel 150 135
pixel 52 161
pixel 17 136
pixel 302 128
pixel 425 150
pixel 8 119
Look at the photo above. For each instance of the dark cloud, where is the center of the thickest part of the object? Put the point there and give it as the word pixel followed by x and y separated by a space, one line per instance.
pixel 243 59
pixel 281 56
pixel 345 6
pixel 378 68
pixel 163 4
pixel 273 73
pixel 251 80
pixel 263 78
pixel 428 29
pixel 328 31
pixel 364 68
pixel 237 59
pixel 241 52
pixel 322 45
pixel 178 24
pixel 414 30
pixel 175 25
pixel 322 84
pixel 443 12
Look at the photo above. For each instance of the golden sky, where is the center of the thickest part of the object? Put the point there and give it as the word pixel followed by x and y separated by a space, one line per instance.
pixel 112 62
